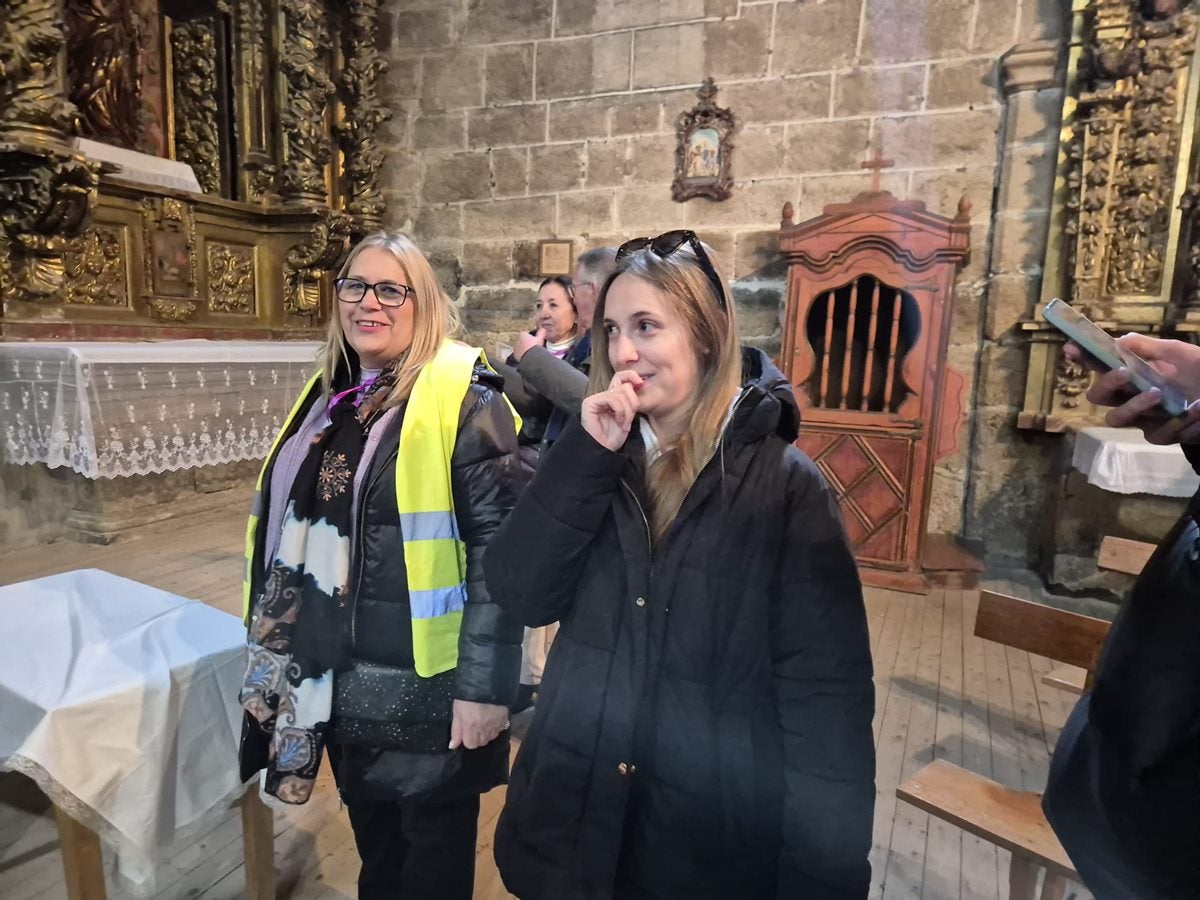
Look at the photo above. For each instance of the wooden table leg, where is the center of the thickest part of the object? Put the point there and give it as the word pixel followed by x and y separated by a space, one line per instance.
pixel 1022 878
pixel 83 862
pixel 258 838
pixel 1054 887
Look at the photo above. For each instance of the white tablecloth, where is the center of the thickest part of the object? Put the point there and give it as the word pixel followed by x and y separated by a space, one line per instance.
pixel 1122 461
pixel 120 701
pixel 110 409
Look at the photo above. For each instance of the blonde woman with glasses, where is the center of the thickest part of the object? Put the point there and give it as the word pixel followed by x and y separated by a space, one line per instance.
pixel 371 632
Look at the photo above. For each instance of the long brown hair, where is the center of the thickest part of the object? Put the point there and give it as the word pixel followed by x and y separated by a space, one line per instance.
pixel 435 318
pixel 713 335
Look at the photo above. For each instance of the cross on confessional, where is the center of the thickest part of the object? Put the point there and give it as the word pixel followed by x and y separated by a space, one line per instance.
pixel 877 164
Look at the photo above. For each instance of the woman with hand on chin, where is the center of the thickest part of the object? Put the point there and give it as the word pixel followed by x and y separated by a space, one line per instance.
pixel 558 329
pixel 703 729
pixel 371 632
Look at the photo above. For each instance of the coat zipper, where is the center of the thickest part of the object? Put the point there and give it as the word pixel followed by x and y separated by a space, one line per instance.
pixel 645 520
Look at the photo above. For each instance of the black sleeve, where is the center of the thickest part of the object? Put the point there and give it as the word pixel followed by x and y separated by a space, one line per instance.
pixel 1124 789
pixel 821 662
pixel 487 478
pixel 534 562
pixel 525 398
pixel 563 385
pixel 1192 452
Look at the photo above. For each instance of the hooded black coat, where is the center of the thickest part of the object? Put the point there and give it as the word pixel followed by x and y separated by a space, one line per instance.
pixel 703 728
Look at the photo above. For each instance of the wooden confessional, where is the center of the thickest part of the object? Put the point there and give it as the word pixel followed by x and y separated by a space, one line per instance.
pixel 870 296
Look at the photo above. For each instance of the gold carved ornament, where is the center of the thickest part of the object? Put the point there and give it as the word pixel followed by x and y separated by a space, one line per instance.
pixel 171 310
pixel 310 263
pixel 1124 150
pixel 230 278
pixel 96 270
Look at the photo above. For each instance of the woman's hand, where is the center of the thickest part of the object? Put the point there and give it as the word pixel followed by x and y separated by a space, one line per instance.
pixel 1176 361
pixel 526 342
pixel 476 725
pixel 609 415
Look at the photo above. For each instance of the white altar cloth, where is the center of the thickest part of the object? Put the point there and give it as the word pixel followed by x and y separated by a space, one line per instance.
pixel 1122 461
pixel 120 701
pixel 107 409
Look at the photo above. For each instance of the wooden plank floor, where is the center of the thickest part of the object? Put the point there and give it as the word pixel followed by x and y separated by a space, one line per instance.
pixel 941 693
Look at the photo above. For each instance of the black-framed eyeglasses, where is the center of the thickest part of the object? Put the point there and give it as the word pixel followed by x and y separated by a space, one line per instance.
pixel 388 293
pixel 669 242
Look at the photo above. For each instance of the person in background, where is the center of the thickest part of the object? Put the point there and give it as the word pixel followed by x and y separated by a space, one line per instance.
pixel 371 631
pixel 704 726
pixel 564 381
pixel 1124 788
pixel 534 377
pixel 558 328
pixel 557 321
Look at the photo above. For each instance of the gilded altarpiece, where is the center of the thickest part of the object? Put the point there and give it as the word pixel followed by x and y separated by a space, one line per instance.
pixel 273 104
pixel 1124 242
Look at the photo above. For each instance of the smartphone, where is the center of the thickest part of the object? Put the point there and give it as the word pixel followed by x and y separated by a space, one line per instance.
pixel 1100 345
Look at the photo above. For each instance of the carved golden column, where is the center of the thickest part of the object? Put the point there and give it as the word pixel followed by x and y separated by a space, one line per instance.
pixel 33 101
pixel 304 104
pixel 46 190
pixel 257 170
pixel 364 113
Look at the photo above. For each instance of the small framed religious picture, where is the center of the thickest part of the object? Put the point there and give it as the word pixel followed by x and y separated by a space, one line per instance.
pixel 554 258
pixel 704 152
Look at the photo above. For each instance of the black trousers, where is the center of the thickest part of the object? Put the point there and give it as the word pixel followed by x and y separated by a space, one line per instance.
pixel 416 851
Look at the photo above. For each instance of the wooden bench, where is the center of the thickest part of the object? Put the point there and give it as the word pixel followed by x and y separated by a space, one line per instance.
pixel 1057 634
pixel 1116 555
pixel 1009 819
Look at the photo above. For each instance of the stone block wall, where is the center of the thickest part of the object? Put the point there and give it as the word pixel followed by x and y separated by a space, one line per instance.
pixel 519 120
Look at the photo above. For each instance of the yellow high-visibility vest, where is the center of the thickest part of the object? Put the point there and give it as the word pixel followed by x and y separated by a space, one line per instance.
pixel 434 553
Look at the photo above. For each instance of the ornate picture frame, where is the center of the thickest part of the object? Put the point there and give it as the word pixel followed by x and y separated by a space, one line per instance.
pixel 704 149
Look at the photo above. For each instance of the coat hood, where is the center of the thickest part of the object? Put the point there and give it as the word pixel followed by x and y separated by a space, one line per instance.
pixel 768 403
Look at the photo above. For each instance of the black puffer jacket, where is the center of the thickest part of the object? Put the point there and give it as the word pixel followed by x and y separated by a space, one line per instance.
pixel 377 758
pixel 703 729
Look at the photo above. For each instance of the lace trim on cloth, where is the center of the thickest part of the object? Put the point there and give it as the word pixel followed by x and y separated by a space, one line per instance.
pixel 133 865
pixel 105 419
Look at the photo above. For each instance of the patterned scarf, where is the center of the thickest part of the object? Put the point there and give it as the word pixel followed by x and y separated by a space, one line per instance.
pixel 301 622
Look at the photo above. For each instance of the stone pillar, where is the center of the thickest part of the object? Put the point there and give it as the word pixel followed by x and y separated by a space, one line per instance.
pixel 1009 476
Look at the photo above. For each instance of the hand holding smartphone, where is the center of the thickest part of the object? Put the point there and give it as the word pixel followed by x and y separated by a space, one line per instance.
pixel 1098 344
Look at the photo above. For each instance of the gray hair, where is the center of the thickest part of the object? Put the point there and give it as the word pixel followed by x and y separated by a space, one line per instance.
pixel 598 264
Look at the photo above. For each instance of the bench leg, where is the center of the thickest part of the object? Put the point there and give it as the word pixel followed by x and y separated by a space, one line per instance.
pixel 1054 887
pixel 1022 878
pixel 83 862
pixel 258 839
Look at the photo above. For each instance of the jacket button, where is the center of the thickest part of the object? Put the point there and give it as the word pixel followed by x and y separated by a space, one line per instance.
pixel 640 601
pixel 626 768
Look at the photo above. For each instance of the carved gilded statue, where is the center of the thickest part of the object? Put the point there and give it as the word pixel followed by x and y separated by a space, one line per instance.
pixel 104 41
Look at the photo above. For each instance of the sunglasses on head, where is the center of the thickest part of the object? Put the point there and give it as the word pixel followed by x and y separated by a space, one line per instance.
pixel 669 242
